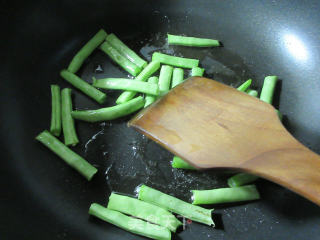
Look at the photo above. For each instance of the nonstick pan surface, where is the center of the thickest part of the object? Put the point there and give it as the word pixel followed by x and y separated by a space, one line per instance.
pixel 42 198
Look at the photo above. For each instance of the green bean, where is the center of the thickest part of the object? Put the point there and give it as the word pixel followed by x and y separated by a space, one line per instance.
pixel 175 205
pixel 177 77
pixel 244 86
pixel 109 113
pixel 70 157
pixel 143 210
pixel 252 92
pixel 241 179
pixel 83 86
pixel 86 50
pixel 122 61
pixel 130 224
pixel 180 163
pixel 175 61
pixel 151 98
pixel 225 195
pixel 197 72
pixel 126 84
pixel 165 79
pixel 151 68
pixel 192 41
pixel 125 51
pixel 55 126
pixel 69 130
pixel 268 89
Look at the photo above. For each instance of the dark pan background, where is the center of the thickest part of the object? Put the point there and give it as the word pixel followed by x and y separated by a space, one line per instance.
pixel 42 198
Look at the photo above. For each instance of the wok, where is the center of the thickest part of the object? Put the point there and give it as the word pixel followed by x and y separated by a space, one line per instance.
pixel 42 198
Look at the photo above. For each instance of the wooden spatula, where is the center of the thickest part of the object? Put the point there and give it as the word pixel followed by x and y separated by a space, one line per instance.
pixel 211 125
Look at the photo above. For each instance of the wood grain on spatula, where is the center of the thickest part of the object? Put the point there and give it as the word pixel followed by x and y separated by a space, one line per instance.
pixel 212 125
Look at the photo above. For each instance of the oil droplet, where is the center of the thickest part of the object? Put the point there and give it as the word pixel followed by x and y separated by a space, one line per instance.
pixel 92 139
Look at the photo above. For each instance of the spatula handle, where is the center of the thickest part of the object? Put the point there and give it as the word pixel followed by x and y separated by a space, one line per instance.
pixel 297 169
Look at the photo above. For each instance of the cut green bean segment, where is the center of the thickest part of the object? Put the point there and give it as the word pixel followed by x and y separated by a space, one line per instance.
pixel 175 61
pixel 180 163
pixel 151 68
pixel 267 91
pixel 225 195
pixel 130 224
pixel 241 179
pixel 192 41
pixel 268 87
pixel 177 77
pixel 69 130
pixel 70 157
pixel 122 61
pixel 244 86
pixel 143 210
pixel 55 126
pixel 86 50
pixel 172 204
pixel 83 86
pixel 125 50
pixel 165 79
pixel 252 92
pixel 197 72
pixel 109 113
pixel 151 98
pixel 126 84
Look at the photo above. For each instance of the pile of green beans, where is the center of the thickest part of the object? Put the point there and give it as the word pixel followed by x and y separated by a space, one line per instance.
pixel 151 214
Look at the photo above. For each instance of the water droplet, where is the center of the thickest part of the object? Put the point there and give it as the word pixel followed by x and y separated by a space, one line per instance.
pixel 98 68
pixel 137 190
pixel 108 169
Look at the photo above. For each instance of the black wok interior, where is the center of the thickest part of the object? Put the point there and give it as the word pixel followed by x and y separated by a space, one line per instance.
pixel 42 198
